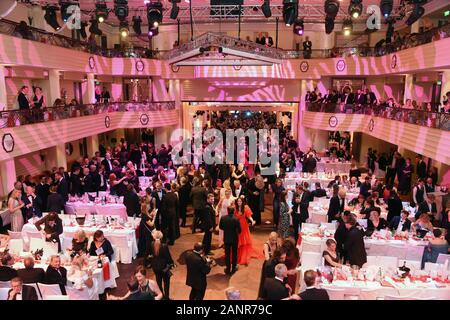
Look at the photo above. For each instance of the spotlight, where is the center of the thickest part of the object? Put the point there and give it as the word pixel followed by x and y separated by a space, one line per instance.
pixel 329 25
pixel 415 14
pixel 137 25
pixel 154 13
pixel 265 8
pixel 83 26
pixel 299 27
pixel 386 7
pixel 121 9
pixel 123 29
pixel 355 8
pixel 331 8
pixel 50 17
pixel 101 11
pixel 153 32
pixel 94 27
pixel 290 11
pixel 175 9
pixel 347 27
pixel 64 4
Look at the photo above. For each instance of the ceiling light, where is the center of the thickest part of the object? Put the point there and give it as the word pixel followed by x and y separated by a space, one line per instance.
pixel 154 13
pixel 101 11
pixel 355 8
pixel 50 17
pixel 290 11
pixel 347 27
pixel 386 7
pixel 123 29
pixel 299 27
pixel 121 9
pixel 331 8
pixel 265 8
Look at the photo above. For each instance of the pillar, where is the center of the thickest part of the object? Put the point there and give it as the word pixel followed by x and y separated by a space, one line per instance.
pixel 3 96
pixel 90 89
pixel 54 86
pixel 304 142
pixel 445 84
pixel 7 176
pixel 409 87
pixel 117 90
pixel 92 145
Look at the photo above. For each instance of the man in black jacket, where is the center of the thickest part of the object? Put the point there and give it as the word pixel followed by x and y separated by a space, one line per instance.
pixel 136 293
pixel 311 292
pixel 6 271
pixel 428 206
pixel 318 192
pixel 19 289
pixel 209 219
pixel 62 186
pixel 310 163
pixel 400 223
pixel 30 274
pixel 32 203
pixel 43 191
pixel 354 244
pixel 197 269
pixel 421 167
pixel 336 206
pixel 299 210
pixel 169 212
pixel 274 288
pixel 131 202
pixel 198 196
pixel 157 198
pixel 231 229
pixel 55 274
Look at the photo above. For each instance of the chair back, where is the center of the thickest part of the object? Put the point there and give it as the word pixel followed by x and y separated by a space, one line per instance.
pixel 442 257
pixel 311 246
pixel 75 294
pixel 329 226
pixel 66 243
pixel 36 243
pixel 311 260
pixel 414 253
pixel 14 234
pixel 15 246
pixel 362 223
pixel 388 262
pixel 120 241
pixel 396 251
pixel 49 290
pixel 56 297
pixel 372 261
pixel 369 294
pixel 310 226
pixel 430 266
pixel 4 294
pixel 5 284
pixel 389 297
pixel 34 235
pixel 38 291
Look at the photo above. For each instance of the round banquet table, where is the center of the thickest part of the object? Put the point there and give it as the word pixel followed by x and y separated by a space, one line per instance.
pixel 109 209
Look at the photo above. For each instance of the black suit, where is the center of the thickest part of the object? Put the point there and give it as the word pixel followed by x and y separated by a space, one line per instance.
pixel 56 276
pixel 169 214
pixel 393 225
pixel 158 205
pixel 300 212
pixel 354 246
pixel 209 219
pixel 43 191
pixel 336 207
pixel 7 273
pixel 131 202
pixel 274 289
pixel 34 275
pixel 231 229
pixel 197 269
pixel 395 207
pixel 75 185
pixel 341 237
pixel 424 208
pixel 184 193
pixel 421 170
pixel 108 168
pixel 318 193
pixel 242 192
pixel 198 197
pixel 55 203
pixel 28 293
pixel 309 165
pixel 63 189
pixel 314 294
pixel 139 295
pixel 35 209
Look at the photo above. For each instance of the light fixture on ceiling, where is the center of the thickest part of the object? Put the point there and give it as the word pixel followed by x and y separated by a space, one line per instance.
pixel 355 8
pixel 121 9
pixel 50 17
pixel 124 30
pixel 265 8
pixel 347 27
pixel 101 11
pixel 175 9
pixel 386 7
pixel 137 21
pixel 154 13
pixel 299 27
pixel 290 11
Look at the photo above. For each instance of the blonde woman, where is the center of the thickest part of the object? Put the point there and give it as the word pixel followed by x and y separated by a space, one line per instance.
pixel 81 276
pixel 222 209
pixel 161 262
pixel 15 203
pixel 270 246
pixel 226 186
pixel 80 242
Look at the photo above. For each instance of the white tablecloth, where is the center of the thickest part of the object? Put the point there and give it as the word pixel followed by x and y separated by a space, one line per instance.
pixel 111 209
pixel 324 166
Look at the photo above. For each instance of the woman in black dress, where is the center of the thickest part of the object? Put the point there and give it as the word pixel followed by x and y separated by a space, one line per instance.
pixel 101 246
pixel 146 227
pixel 330 255
pixel 404 186
pixel 80 242
pixel 375 223
pixel 161 262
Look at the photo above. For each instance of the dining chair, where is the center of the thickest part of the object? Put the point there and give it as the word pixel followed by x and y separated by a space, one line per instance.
pixel 34 235
pixel 362 223
pixel 372 261
pixel 15 246
pixel 331 226
pixel 4 294
pixel 38 291
pixel 56 297
pixel 442 257
pixel 75 294
pixel 310 260
pixel 335 293
pixel 36 244
pixel 414 253
pixel 124 246
pixel 5 284
pixel 388 262
pixel 398 251
pixel 311 246
pixel 430 266
pixel 49 290
pixel 14 234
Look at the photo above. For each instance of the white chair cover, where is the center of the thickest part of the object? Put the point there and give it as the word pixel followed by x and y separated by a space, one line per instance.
pixel 388 262
pixel 36 243
pixel 123 244
pixel 430 266
pixel 5 284
pixel 396 251
pixel 14 235
pixel 414 253
pixel 311 260
pixel 56 297
pixel 335 293
pixel 311 246
pixel 4 294
pixel 15 246
pixel 442 258
pixel 49 289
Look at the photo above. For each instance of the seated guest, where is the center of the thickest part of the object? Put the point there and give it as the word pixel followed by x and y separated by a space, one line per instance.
pixel 354 245
pixel 319 192
pixel 268 269
pixel 19 291
pixel 6 271
pixel 30 274
pixel 375 223
pixel 274 288
pixel 131 201
pixel 337 180
pixel 423 223
pixel 79 242
pixel 55 202
pixel 330 255
pixel 354 170
pixel 428 206
pixel 436 246
pixel 429 186
pixel 354 183
pixel 365 187
pixel 340 235
pixel 311 292
pixel 53 227
pixel 375 197
pixel 358 202
pixel 369 206
pixel 345 182
pixel 101 246
pixel 400 223
pixel 394 205
pixel 55 274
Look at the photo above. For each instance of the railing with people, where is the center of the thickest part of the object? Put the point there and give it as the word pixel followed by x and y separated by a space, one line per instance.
pixel 15 118
pixel 431 119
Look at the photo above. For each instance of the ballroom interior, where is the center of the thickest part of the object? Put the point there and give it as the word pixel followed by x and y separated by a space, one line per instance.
pixel 339 78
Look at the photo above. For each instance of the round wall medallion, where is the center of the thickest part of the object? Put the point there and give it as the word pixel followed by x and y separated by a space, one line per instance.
pixel 237 68
pixel 107 121
pixel 144 119
pixel 140 66
pixel 8 142
pixel 333 121
pixel 371 125
pixel 91 63
pixel 174 68
pixel 340 65
pixel 304 66
pixel 394 61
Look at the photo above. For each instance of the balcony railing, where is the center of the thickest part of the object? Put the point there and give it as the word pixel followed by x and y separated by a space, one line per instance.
pixel 437 120
pixel 15 118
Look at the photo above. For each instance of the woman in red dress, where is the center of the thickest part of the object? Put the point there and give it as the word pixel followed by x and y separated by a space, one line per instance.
pixel 292 261
pixel 245 249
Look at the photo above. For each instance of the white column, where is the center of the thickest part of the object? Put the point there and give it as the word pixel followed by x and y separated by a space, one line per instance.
pixel 445 84
pixel 54 86
pixel 409 87
pixel 117 90
pixel 7 176
pixel 3 96
pixel 304 141
pixel 90 90
pixel 61 156
pixel 92 145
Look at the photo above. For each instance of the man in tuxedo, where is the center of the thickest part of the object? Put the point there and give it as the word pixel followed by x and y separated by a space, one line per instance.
pixel 32 203
pixel 300 210
pixel 42 192
pixel 93 180
pixel 428 206
pixel 204 174
pixel 336 206
pixel 419 192
pixel 421 167
pixel 274 288
pixel 231 229
pixel 198 196
pixel 107 162
pixel 311 292
pixel 131 202
pixel 62 186
pixel 354 245
pixel 169 210
pixel 209 219
pixel 237 189
pixel 318 192
pixel 365 187
pixel 307 48
pixel 370 97
pixel 348 99
pixel 197 269
pixel 6 270
pixel 360 98
pixel 30 274
pixel 157 198
pixel 400 223
pixel 76 189
pixel 429 186
pixel 19 291
pixel 55 274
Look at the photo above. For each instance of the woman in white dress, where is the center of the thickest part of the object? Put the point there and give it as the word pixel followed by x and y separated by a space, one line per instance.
pixel 14 205
pixel 81 276
pixel 222 210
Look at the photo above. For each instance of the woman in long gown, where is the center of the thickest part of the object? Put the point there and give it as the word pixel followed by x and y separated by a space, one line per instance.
pixel 291 262
pixel 222 210
pixel 285 217
pixel 14 206
pixel 243 212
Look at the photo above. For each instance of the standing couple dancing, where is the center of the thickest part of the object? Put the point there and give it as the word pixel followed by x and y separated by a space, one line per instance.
pixel 235 234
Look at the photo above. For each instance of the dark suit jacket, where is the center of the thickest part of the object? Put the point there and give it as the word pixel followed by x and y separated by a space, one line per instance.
pixel 309 165
pixel 131 202
pixel 197 269
pixel 140 296
pixel 231 229
pixel 63 189
pixel 242 193
pixel 393 225
pixel 52 276
pixel 7 273
pixel 43 191
pixel 314 294
pixel 108 168
pixel 55 203
pixel 334 208
pixel 35 208
pixel 75 184
pixel 319 193
pixel 424 208
pixel 209 219
pixel 34 275
pixel 274 289
pixel 198 197
pixel 304 204
pixel 395 207
pixel 354 247
pixel 169 206
pixel 421 169
pixel 28 293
